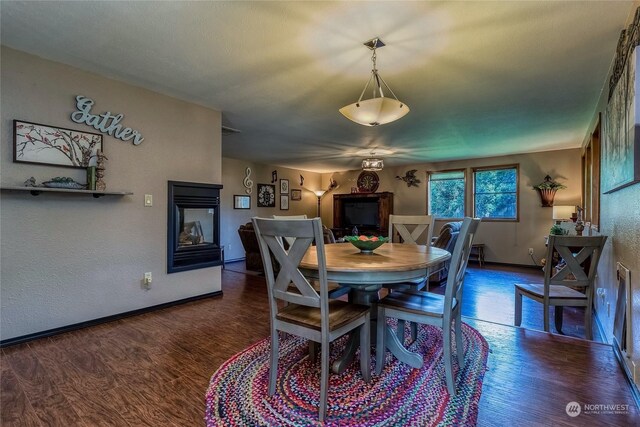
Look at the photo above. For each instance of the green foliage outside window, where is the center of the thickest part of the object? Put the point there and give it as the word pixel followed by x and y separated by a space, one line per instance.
pixel 446 194
pixel 495 194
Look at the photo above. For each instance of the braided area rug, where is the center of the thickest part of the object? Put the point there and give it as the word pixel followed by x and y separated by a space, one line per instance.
pixel 399 396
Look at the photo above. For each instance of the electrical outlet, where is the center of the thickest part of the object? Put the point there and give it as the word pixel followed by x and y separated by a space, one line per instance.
pixel 146 282
pixel 530 251
pixel 148 200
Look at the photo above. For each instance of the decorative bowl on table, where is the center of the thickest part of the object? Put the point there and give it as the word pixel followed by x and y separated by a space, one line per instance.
pixel 366 244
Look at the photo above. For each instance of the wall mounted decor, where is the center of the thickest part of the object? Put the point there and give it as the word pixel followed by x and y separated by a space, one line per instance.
pixel 274 176
pixel 100 184
pixel 368 182
pixel 296 195
pixel 301 180
pixel 106 122
pixel 410 178
pixel 621 131
pixel 49 145
pixel 284 202
pixel 284 186
pixel 248 184
pixel 266 196
pixel 241 202
pixel 547 191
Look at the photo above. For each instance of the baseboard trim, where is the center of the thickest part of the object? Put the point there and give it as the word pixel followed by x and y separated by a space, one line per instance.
pixel 94 322
pixel 634 388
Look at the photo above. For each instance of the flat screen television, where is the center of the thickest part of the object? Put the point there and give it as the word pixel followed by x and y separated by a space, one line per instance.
pixel 360 213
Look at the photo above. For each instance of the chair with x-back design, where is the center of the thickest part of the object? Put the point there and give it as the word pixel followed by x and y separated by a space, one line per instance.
pixel 580 255
pixel 308 313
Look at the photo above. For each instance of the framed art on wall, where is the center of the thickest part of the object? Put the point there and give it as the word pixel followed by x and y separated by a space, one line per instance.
pixel 50 145
pixel 266 196
pixel 241 202
pixel 621 131
pixel 296 195
pixel 284 186
pixel 284 202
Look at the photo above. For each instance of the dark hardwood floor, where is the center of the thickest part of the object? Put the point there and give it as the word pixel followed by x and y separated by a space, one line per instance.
pixel 489 295
pixel 154 369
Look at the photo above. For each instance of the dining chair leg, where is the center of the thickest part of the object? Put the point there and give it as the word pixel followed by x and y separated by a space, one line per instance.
pixel 518 312
pixel 546 317
pixel 365 349
pixel 381 347
pixel 313 351
pixel 448 366
pixel 324 378
pixel 557 317
pixel 459 345
pixel 587 323
pixel 273 365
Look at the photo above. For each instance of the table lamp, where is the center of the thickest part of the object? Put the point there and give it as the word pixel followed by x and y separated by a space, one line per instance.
pixel 562 213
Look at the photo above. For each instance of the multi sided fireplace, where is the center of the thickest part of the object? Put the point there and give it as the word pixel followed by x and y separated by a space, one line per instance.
pixel 193 230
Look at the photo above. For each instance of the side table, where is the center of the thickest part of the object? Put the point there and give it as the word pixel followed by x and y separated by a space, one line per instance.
pixel 477 253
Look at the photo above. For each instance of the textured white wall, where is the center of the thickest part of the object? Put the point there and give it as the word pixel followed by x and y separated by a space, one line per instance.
pixel 70 258
pixel 620 221
pixel 233 173
pixel 506 242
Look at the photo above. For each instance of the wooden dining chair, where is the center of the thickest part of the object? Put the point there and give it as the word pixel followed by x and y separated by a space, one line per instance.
pixel 308 313
pixel 411 229
pixel 421 228
pixel 581 255
pixel 432 309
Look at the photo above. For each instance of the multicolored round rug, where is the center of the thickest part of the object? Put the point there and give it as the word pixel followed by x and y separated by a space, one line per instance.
pixel 399 396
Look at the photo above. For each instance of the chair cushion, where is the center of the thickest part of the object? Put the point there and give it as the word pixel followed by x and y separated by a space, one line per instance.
pixel 555 291
pixel 418 302
pixel 340 313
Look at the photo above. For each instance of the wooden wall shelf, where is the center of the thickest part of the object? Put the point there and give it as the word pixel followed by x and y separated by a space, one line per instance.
pixel 95 193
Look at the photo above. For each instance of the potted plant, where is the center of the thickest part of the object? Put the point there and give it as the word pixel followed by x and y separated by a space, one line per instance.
pixel 547 190
pixel 558 230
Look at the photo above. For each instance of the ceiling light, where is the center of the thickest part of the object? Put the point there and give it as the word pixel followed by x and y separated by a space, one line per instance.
pixel 378 110
pixel 372 164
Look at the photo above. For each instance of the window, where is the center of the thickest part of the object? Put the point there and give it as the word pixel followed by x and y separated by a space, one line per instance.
pixel 446 194
pixel 495 192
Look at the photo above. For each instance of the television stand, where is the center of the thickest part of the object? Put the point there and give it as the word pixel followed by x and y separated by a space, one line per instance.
pixel 382 204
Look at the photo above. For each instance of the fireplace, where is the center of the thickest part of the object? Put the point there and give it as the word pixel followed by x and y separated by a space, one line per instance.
pixel 193 228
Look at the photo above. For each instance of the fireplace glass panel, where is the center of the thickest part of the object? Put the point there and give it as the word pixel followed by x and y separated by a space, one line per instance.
pixel 196 226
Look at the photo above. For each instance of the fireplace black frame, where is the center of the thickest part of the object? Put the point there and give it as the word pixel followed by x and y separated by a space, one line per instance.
pixel 192 195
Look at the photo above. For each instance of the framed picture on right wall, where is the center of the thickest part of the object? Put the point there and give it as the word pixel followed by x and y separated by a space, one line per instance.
pixel 621 130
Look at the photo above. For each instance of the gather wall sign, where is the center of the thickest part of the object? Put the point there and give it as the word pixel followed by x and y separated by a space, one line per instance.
pixel 106 122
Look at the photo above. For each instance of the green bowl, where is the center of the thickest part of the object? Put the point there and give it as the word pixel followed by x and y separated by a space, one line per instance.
pixel 366 246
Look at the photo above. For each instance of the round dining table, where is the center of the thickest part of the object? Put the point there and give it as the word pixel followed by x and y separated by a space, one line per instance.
pixel 366 273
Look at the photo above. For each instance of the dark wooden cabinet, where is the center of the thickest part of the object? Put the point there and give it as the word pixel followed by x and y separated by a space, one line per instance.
pixel 343 225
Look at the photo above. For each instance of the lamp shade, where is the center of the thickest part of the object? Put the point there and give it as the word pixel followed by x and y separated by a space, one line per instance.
pixel 563 212
pixel 319 193
pixel 375 111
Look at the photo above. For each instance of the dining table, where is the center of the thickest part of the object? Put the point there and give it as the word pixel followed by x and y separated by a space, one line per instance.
pixel 366 273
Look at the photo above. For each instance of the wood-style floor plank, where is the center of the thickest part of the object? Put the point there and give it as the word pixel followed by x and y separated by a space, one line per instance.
pixel 154 369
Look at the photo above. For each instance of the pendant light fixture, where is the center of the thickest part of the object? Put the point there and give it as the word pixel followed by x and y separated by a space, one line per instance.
pixel 372 163
pixel 380 109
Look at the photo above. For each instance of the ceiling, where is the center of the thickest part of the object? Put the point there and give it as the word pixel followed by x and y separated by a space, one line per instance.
pixel 481 78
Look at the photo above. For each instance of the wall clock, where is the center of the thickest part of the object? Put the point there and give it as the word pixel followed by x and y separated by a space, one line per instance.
pixel 368 182
pixel 266 196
